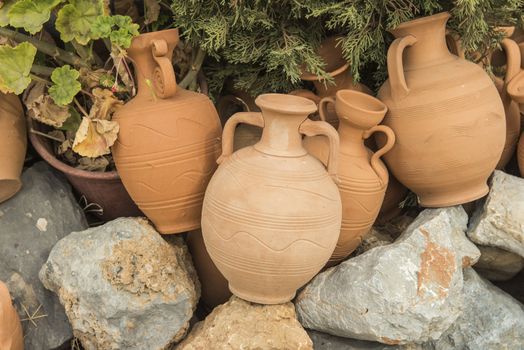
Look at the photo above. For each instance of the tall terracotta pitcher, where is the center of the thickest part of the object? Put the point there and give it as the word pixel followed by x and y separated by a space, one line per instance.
pixel 271 214
pixel 169 139
pixel 363 177
pixel 11 337
pixel 13 144
pixel 446 113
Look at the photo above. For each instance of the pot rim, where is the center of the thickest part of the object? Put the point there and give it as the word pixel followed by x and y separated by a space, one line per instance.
pixel 51 159
pixel 425 19
pixel 286 104
pixel 371 105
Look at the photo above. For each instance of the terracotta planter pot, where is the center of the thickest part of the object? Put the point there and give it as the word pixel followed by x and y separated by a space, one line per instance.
pixel 11 337
pixel 446 113
pixel 516 91
pixel 363 177
pixel 103 190
pixel 13 145
pixel 214 288
pixel 169 139
pixel 338 68
pixel 271 214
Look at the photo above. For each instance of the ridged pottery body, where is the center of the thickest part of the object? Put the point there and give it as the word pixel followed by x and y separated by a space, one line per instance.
pixel 338 68
pixel 362 176
pixel 510 58
pixel 169 139
pixel 271 215
pixel 13 144
pixel 11 337
pixel 446 113
pixel 214 288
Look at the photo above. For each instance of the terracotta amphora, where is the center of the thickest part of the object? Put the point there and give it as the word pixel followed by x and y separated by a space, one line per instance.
pixel 446 113
pixel 13 145
pixel 11 337
pixel 516 91
pixel 214 288
pixel 362 176
pixel 272 213
pixel 169 139
pixel 338 68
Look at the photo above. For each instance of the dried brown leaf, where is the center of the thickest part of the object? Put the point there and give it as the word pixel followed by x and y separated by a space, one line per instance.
pixel 94 137
pixel 93 164
pixel 104 104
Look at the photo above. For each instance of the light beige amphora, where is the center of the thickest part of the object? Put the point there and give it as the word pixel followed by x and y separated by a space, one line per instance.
pixel 13 145
pixel 362 176
pixel 11 337
pixel 271 215
pixel 169 139
pixel 446 113
pixel 338 68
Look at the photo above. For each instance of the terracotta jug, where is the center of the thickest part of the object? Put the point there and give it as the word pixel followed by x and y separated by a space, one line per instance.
pixel 446 113
pixel 362 176
pixel 169 139
pixel 13 145
pixel 330 51
pixel 214 289
pixel 11 337
pixel 516 91
pixel 271 215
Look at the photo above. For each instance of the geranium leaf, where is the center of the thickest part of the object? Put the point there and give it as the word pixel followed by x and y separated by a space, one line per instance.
pixel 4 10
pixel 15 66
pixel 95 137
pixel 75 20
pixel 65 85
pixel 102 26
pixel 31 14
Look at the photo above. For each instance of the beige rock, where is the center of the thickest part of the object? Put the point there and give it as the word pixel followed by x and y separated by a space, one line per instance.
pixel 239 324
pixel 497 264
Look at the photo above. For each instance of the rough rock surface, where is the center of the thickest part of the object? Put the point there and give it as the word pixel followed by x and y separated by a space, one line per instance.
pixel 498 265
pixel 239 324
pixel 408 291
pixel 31 222
pixel 123 286
pixel 323 341
pixel 491 319
pixel 500 221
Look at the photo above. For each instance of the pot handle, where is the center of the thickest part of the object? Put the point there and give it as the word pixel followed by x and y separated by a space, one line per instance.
pixel 397 80
pixel 516 88
pixel 314 128
pixel 228 136
pixel 322 107
pixel 164 80
pixel 375 159
pixel 512 58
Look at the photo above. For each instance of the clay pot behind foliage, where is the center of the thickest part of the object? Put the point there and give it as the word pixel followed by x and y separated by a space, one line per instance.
pixel 169 138
pixel 104 193
pixel 11 337
pixel 13 145
pixel 446 113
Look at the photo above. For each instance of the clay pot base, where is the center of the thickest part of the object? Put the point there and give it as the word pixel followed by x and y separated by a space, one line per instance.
pixel 449 199
pixel 8 188
pixel 260 298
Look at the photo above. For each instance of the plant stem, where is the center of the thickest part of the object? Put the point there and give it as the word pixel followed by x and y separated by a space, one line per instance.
pixel 80 107
pixel 42 70
pixel 37 78
pixel 193 71
pixel 48 49
pixel 33 131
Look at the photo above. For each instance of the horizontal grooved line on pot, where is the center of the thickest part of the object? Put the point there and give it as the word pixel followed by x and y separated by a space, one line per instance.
pixel 252 170
pixel 181 204
pixel 346 224
pixel 266 220
pixel 257 268
pixel 453 105
pixel 347 188
pixel 174 157
pixel 355 180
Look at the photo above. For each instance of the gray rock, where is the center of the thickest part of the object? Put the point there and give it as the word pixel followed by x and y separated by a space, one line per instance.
pixel 323 341
pixel 123 286
pixel 408 291
pixel 491 319
pixel 498 265
pixel 31 222
pixel 500 221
